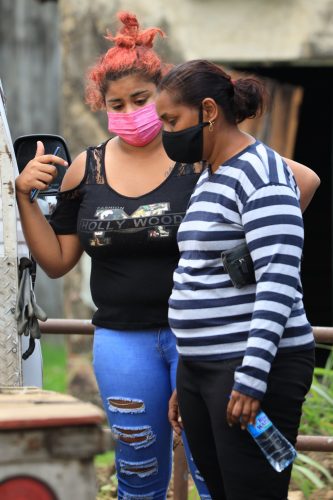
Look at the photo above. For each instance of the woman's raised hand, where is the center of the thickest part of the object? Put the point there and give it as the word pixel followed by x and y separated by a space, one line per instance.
pixel 39 172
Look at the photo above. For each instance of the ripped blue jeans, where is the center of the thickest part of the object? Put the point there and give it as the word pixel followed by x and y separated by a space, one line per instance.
pixel 136 374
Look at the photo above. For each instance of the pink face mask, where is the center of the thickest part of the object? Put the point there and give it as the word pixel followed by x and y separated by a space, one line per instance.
pixel 137 128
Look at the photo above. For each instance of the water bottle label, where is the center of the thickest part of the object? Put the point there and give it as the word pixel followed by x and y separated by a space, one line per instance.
pixel 262 423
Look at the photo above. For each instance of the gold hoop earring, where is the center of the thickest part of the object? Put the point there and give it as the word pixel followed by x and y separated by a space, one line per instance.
pixel 211 126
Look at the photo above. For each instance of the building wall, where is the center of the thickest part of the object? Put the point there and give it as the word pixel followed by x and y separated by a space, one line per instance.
pixel 30 65
pixel 30 74
pixel 46 48
pixel 250 30
pixel 233 30
pixel 226 31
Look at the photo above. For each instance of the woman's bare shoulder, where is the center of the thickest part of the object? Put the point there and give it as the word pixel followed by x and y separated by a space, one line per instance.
pixel 75 172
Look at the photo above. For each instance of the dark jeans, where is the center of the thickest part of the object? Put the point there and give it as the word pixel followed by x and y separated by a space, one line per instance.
pixel 228 458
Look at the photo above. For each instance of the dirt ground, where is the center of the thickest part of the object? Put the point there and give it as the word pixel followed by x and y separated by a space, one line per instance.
pixel 326 460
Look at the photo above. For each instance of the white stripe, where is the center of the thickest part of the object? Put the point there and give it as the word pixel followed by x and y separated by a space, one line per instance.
pixel 280 170
pixel 262 152
pixel 209 294
pixel 199 263
pixel 186 279
pixel 207 350
pixel 256 164
pixel 214 209
pixel 266 324
pixel 295 322
pixel 210 312
pixel 205 206
pixel 292 250
pixel 276 230
pixel 297 341
pixel 201 245
pixel 202 226
pixel 217 279
pixel 274 209
pixel 212 331
pixel 273 190
pixel 261 343
pixel 256 362
pixel 273 286
pixel 253 383
pixel 216 188
pixel 271 305
pixel 282 269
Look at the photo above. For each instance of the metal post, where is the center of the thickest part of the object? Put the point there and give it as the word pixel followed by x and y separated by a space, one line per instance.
pixel 10 346
pixel 180 473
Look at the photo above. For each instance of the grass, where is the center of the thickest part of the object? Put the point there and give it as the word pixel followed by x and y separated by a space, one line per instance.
pixel 54 366
pixel 193 494
pixel 310 474
pixel 105 459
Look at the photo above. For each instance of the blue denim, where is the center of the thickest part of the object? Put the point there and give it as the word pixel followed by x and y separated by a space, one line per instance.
pixel 136 374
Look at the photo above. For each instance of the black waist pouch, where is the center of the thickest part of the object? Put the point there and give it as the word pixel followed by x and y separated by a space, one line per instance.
pixel 239 265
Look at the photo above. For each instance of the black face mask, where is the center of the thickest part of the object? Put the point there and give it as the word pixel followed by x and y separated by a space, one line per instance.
pixel 185 146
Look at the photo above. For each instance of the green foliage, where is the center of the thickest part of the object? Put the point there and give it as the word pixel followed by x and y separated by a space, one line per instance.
pixel 54 366
pixel 193 494
pixel 317 415
pixel 317 419
pixel 105 459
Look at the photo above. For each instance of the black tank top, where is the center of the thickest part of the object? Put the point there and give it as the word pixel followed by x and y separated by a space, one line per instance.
pixel 131 241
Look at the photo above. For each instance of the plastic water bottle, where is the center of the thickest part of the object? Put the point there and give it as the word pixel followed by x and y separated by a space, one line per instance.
pixel 276 448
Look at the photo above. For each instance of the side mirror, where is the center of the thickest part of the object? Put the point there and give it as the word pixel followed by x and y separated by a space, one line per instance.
pixel 25 150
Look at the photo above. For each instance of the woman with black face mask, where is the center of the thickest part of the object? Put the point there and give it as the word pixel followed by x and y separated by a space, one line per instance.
pixel 242 333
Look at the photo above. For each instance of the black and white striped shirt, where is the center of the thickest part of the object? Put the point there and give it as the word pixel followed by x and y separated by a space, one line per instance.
pixel 252 197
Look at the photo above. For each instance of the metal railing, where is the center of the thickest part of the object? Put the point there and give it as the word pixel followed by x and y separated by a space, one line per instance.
pixel 322 335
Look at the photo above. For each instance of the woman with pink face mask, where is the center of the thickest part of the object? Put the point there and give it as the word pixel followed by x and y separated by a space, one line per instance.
pixel 122 202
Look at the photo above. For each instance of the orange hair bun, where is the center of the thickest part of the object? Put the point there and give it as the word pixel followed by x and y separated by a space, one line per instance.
pixel 132 53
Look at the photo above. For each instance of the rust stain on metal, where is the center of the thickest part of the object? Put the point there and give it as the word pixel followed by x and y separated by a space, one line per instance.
pixel 8 152
pixel 10 188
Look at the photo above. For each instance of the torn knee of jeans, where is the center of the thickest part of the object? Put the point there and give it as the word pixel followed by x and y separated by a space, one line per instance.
pixel 126 405
pixel 137 437
pixel 130 496
pixel 141 469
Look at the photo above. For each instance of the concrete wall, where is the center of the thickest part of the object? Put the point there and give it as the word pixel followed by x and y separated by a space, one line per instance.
pixel 226 31
pixel 30 72
pixel 233 30
pixel 30 65
pixel 245 30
